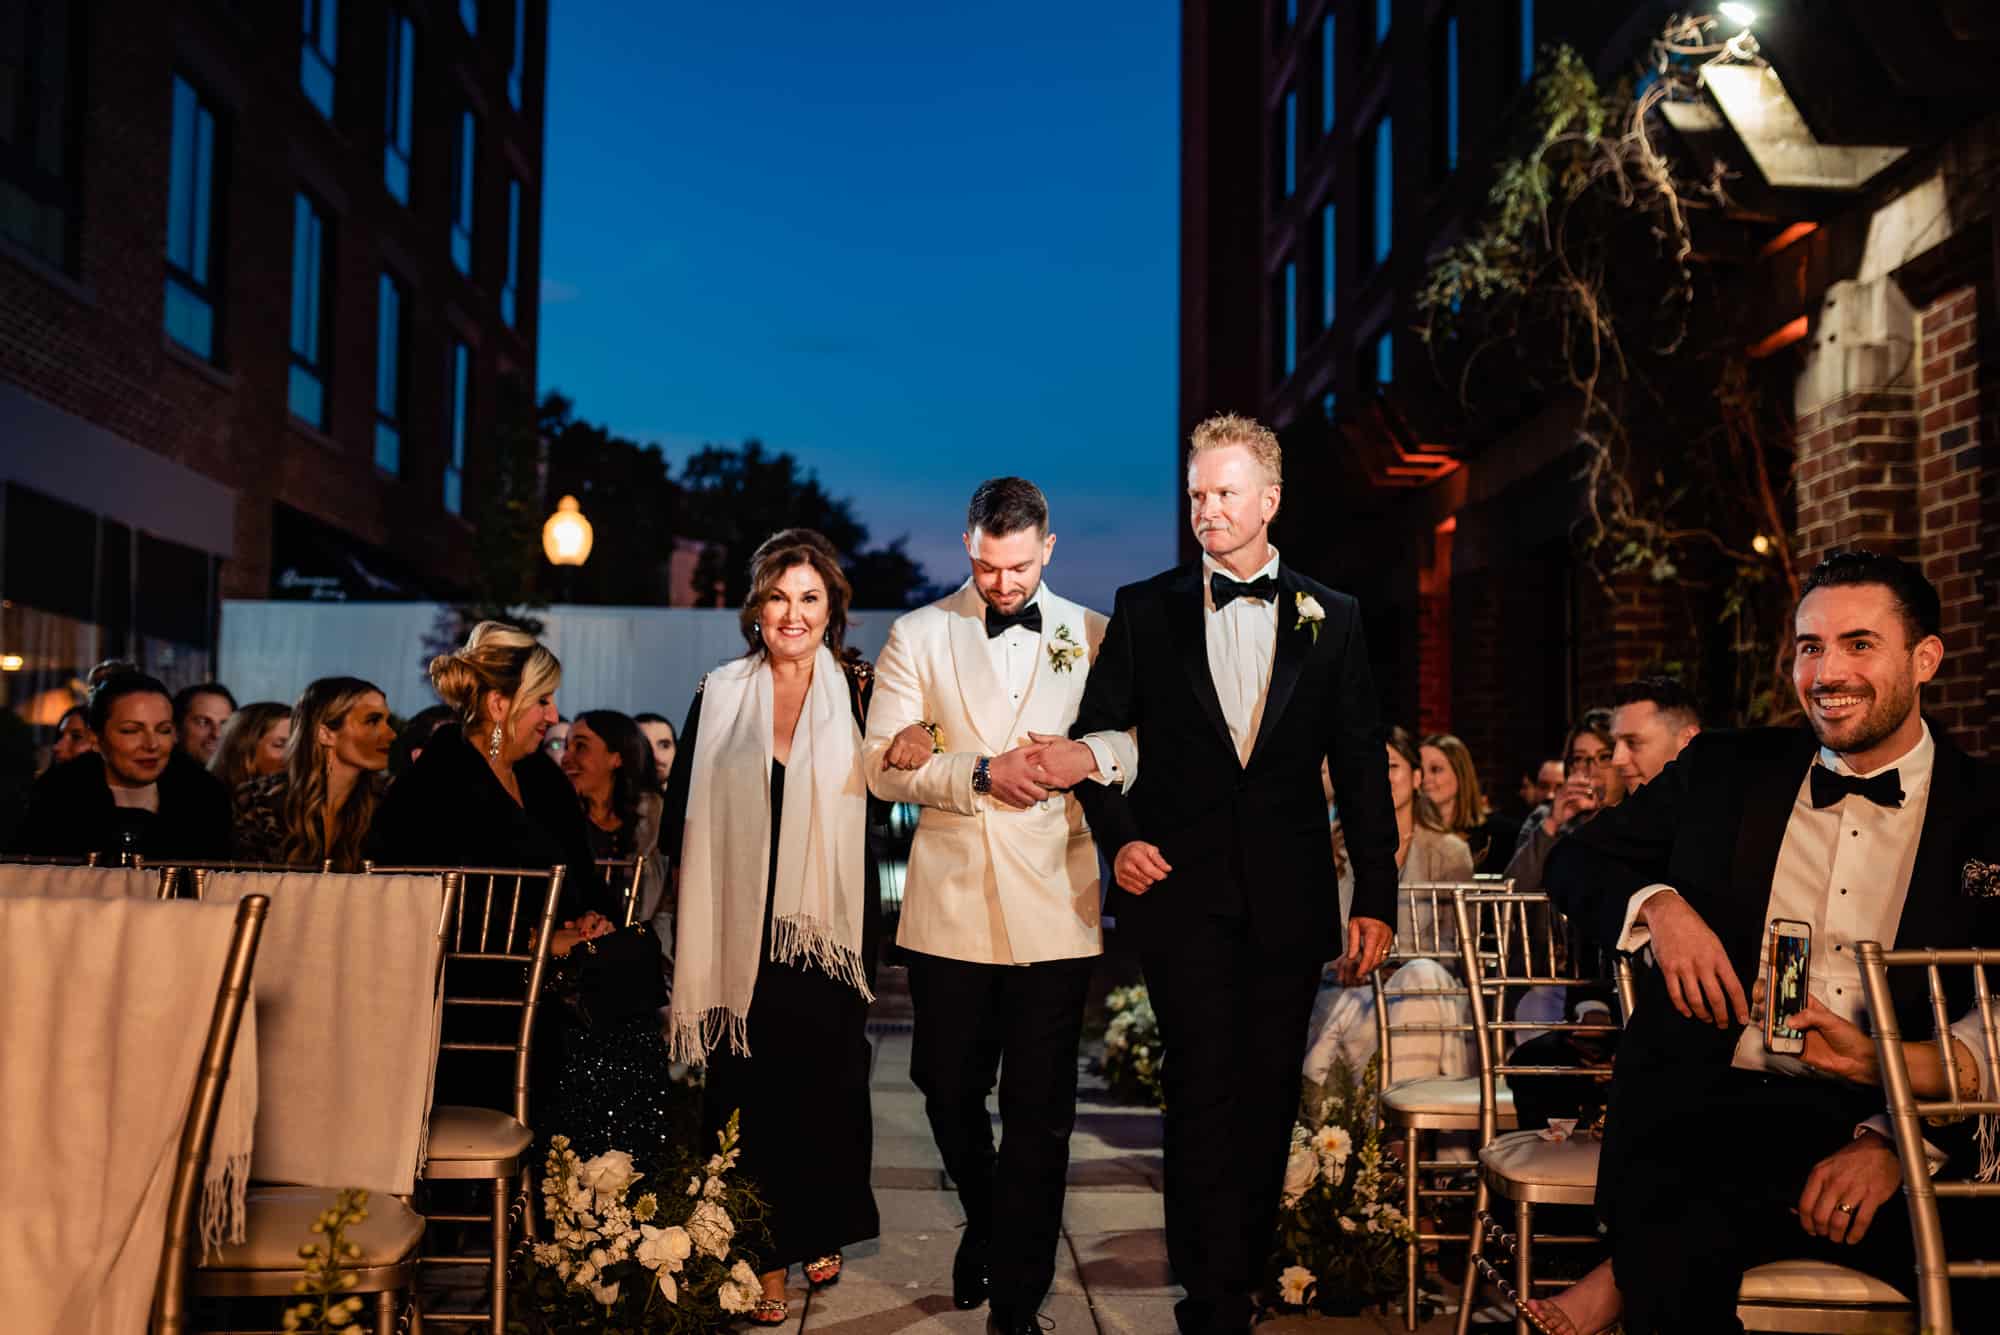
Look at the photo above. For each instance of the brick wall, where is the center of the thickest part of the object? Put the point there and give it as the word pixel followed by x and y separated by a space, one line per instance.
pixel 1956 510
pixel 1856 474
pixel 1434 638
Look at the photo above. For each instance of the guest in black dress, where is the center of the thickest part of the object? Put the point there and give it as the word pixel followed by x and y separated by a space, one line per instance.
pixel 778 912
pixel 485 794
pixel 610 764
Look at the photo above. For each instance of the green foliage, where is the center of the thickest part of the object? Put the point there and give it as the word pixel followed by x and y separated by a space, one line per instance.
pixel 627 491
pixel 326 1275
pixel 1341 1234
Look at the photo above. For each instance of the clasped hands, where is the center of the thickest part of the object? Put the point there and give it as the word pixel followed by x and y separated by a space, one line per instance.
pixel 1046 763
pixel 578 930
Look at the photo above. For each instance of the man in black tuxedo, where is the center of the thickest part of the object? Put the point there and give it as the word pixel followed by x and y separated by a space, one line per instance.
pixel 1860 827
pixel 1241 676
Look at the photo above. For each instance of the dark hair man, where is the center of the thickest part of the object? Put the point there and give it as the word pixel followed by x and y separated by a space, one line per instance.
pixel 200 711
pixel 1651 720
pixel 72 736
pixel 1860 824
pixel 660 735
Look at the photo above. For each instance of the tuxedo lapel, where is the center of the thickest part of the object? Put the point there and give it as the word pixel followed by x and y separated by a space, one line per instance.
pixel 1189 632
pixel 1770 788
pixel 980 690
pixel 1933 905
pixel 1288 660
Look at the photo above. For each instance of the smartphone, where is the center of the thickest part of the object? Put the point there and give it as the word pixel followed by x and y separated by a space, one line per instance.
pixel 1791 958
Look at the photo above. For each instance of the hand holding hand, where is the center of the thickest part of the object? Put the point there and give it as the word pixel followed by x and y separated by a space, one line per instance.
pixel 1368 941
pixel 593 925
pixel 1833 1045
pixel 909 750
pixel 1138 866
pixel 1059 762
pixel 1014 777
pixel 1844 1190
pixel 1701 982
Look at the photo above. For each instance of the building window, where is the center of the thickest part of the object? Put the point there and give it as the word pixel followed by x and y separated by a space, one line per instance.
pixel 38 185
pixel 311 318
pixel 389 345
pixel 1291 14
pixel 319 48
pixel 1381 182
pixel 1329 266
pixel 1523 54
pixel 1291 142
pixel 1285 330
pixel 1328 84
pixel 460 388
pixel 1329 406
pixel 398 117
pixel 464 183
pixel 1385 360
pixel 520 59
pixel 468 14
pixel 192 224
pixel 1382 21
pixel 1444 97
pixel 509 289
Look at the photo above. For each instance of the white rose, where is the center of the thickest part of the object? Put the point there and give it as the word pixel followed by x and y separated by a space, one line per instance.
pixel 609 1174
pixel 1301 1171
pixel 1310 609
pixel 735 1297
pixel 1295 1285
pixel 664 1248
pixel 605 1293
pixel 710 1228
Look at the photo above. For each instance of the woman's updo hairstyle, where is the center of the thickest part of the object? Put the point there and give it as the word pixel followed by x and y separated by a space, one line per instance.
pixel 783 551
pixel 495 657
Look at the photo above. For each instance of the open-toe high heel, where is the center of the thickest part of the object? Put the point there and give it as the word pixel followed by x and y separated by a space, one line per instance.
pixel 770 1312
pixel 823 1270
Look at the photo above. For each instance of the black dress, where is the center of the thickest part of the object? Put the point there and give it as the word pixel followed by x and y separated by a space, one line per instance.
pixel 802 1094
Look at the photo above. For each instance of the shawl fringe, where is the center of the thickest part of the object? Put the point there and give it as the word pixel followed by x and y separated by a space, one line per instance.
pixel 694 1037
pixel 223 1189
pixel 804 941
pixel 1989 1149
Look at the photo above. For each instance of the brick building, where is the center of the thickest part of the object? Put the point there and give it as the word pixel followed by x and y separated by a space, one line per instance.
pixel 1331 147
pixel 263 271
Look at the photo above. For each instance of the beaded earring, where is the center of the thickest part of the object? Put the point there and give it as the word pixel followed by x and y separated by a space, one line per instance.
pixel 493 746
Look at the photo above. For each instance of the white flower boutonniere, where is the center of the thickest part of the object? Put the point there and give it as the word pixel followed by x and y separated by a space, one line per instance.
pixel 1311 614
pixel 1064 652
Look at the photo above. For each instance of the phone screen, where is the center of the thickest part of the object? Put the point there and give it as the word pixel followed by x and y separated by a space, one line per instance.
pixel 1789 957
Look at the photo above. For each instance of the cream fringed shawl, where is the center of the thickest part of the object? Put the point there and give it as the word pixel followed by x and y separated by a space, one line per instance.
pixel 820 886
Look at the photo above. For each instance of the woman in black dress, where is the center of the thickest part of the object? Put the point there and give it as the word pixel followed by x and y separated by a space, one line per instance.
pixel 778 910
pixel 485 794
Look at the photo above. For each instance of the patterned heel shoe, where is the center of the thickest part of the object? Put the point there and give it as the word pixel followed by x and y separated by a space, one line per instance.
pixel 823 1271
pixel 1547 1318
pixel 770 1312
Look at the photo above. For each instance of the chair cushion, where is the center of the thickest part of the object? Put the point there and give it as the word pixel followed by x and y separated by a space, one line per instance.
pixel 1445 1095
pixel 279 1220
pixel 1815 1282
pixel 1523 1156
pixel 459 1131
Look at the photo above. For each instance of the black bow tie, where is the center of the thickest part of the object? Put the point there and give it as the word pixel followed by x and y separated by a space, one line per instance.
pixel 1226 590
pixel 1828 787
pixel 999 623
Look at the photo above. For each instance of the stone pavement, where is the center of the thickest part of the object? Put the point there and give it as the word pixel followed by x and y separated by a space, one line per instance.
pixel 1111 1271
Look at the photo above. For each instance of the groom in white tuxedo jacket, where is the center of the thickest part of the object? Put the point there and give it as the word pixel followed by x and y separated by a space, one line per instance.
pixel 974 696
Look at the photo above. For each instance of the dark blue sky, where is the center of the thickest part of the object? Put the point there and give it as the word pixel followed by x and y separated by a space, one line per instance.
pixel 914 244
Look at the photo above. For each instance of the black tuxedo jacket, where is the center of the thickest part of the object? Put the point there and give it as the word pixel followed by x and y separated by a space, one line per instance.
pixel 1712 825
pixel 1246 841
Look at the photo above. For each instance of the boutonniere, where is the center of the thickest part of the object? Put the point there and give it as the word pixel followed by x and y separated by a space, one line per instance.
pixel 1310 613
pixel 1064 652
pixel 1980 880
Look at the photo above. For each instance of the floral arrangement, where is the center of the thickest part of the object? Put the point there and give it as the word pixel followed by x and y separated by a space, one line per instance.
pixel 1340 1232
pixel 325 1275
pixel 665 1261
pixel 1131 1064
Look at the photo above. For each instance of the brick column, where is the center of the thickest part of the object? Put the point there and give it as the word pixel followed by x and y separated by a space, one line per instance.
pixel 1957 507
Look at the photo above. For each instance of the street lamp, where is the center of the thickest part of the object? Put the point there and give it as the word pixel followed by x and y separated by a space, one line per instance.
pixel 566 536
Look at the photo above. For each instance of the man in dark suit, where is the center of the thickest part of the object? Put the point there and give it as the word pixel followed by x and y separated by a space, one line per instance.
pixel 1860 827
pixel 1241 676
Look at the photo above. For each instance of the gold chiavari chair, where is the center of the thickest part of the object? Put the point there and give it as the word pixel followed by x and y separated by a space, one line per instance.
pixel 186 880
pixel 1418 1110
pixel 281 1216
pixel 165 888
pixel 496 954
pixel 198 1132
pixel 1510 941
pixel 625 876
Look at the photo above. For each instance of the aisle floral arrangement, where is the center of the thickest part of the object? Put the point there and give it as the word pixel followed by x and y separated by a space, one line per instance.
pixel 628 1253
pixel 1340 1232
pixel 1131 1065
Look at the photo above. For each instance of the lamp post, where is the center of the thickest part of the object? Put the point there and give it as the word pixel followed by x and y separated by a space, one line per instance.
pixel 566 536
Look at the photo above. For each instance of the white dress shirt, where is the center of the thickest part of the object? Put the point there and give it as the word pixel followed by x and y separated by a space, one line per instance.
pixel 1016 653
pixel 1845 870
pixel 1242 640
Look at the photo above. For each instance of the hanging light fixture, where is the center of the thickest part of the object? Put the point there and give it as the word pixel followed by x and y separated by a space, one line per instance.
pixel 566 537
pixel 1740 14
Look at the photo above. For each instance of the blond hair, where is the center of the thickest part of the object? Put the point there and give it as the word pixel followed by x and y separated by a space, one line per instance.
pixel 1226 429
pixel 324 703
pixel 1469 810
pixel 495 657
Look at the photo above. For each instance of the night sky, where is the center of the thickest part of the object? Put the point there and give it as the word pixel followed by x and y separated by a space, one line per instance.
pixel 916 245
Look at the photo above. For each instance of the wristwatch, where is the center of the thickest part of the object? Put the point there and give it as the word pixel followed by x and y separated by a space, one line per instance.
pixel 982 775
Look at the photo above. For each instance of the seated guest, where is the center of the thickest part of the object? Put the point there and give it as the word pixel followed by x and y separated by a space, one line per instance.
pixel 660 736
pixel 72 736
pixel 610 764
pixel 1747 826
pixel 556 738
pixel 130 796
pixel 110 667
pixel 1343 1020
pixel 413 736
pixel 199 713
pixel 253 743
pixel 1538 785
pixel 317 810
pixel 1452 786
pixel 1590 783
pixel 1652 719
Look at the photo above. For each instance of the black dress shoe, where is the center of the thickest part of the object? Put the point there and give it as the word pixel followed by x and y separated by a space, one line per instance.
pixel 969 1273
pixel 1004 1320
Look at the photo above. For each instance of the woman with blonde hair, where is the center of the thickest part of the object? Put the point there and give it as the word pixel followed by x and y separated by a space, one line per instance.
pixel 1452 785
pixel 768 808
pixel 254 743
pixel 317 810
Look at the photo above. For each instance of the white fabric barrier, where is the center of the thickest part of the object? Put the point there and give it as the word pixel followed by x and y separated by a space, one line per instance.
pixel 632 659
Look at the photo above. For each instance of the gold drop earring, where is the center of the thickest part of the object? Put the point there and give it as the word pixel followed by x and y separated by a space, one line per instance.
pixel 493 746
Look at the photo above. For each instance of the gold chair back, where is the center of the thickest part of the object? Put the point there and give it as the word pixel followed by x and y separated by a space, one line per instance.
pixel 1425 930
pixel 170 1294
pixel 625 876
pixel 1906 1111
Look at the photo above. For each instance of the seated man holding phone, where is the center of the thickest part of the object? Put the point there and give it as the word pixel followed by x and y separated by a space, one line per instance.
pixel 1728 1144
